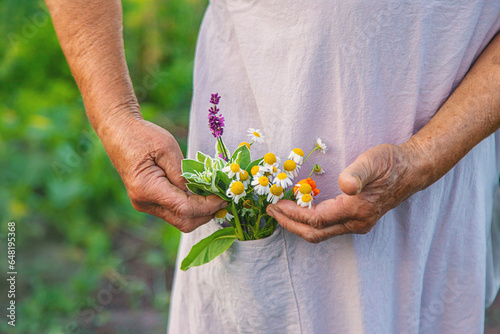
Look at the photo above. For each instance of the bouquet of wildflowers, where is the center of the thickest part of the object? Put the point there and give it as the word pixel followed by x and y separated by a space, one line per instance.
pixel 248 185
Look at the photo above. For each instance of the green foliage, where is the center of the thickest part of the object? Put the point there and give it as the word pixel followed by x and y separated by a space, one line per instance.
pixel 209 248
pixel 56 181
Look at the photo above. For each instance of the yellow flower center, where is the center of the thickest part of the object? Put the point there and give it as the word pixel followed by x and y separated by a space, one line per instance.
pixel 317 168
pixel 221 213
pixel 244 143
pixel 289 165
pixel 276 190
pixel 306 198
pixel 256 134
pixel 305 189
pixel 275 170
pixel 263 181
pixel 270 158
pixel 298 151
pixel 281 176
pixel 235 168
pixel 247 204
pixel 237 188
pixel 243 175
pixel 254 170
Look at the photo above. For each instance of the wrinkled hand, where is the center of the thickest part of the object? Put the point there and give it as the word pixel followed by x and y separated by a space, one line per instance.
pixel 377 181
pixel 148 159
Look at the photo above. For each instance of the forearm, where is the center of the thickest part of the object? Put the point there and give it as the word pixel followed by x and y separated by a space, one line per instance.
pixel 90 34
pixel 469 115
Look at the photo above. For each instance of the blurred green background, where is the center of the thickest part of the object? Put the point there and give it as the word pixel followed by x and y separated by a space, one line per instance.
pixel 86 261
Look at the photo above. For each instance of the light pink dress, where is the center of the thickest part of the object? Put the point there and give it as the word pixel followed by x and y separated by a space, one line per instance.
pixel 356 74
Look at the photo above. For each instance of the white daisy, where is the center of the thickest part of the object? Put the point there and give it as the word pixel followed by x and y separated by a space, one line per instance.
pixel 232 170
pixel 258 171
pixel 283 180
pixel 291 168
pixel 244 177
pixel 304 189
pixel 236 191
pixel 305 200
pixel 261 185
pixel 270 160
pixel 222 215
pixel 318 170
pixel 297 155
pixel 256 135
pixel 275 194
pixel 321 146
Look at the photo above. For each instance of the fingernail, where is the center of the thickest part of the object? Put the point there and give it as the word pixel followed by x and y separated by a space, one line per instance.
pixel 224 205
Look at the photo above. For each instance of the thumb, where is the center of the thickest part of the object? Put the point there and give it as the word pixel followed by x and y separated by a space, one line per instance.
pixel 367 168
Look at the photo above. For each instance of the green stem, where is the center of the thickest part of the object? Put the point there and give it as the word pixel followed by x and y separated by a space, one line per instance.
pixel 312 170
pixel 239 230
pixel 310 153
pixel 257 224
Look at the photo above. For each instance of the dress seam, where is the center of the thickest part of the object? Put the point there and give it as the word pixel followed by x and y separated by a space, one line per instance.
pixel 291 282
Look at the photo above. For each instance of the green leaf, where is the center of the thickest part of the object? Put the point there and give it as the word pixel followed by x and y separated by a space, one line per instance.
pixel 209 248
pixel 201 156
pixel 253 163
pixel 242 156
pixel 222 182
pixel 198 189
pixel 208 163
pixel 191 166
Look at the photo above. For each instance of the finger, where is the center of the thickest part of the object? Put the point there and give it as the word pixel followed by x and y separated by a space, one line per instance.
pixel 169 159
pixel 327 213
pixel 368 167
pixel 308 232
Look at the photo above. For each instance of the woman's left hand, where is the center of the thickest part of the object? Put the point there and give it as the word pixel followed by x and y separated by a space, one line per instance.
pixel 376 182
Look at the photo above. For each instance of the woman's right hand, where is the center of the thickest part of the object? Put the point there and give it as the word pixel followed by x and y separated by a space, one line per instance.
pixel 148 159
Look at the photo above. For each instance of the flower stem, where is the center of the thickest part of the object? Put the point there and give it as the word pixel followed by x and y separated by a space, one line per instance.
pixel 239 230
pixel 310 153
pixel 311 173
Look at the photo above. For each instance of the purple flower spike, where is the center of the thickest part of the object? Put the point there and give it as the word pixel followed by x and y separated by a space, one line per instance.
pixel 216 125
pixel 213 110
pixel 215 98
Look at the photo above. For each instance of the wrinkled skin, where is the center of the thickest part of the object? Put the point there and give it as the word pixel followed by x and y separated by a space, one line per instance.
pixel 148 159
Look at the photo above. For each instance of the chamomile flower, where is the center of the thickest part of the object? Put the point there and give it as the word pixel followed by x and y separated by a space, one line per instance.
pixel 305 201
pixel 244 177
pixel 297 155
pixel 318 170
pixel 275 194
pixel 256 135
pixel 321 146
pixel 270 160
pixel 272 172
pixel 283 180
pixel 309 181
pixel 304 189
pixel 232 169
pixel 236 191
pixel 258 171
pixel 222 215
pixel 261 185
pixel 291 168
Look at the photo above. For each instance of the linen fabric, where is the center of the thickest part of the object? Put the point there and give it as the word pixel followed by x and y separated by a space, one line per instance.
pixel 356 74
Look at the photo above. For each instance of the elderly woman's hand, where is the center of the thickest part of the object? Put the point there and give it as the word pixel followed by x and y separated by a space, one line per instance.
pixel 379 180
pixel 148 159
